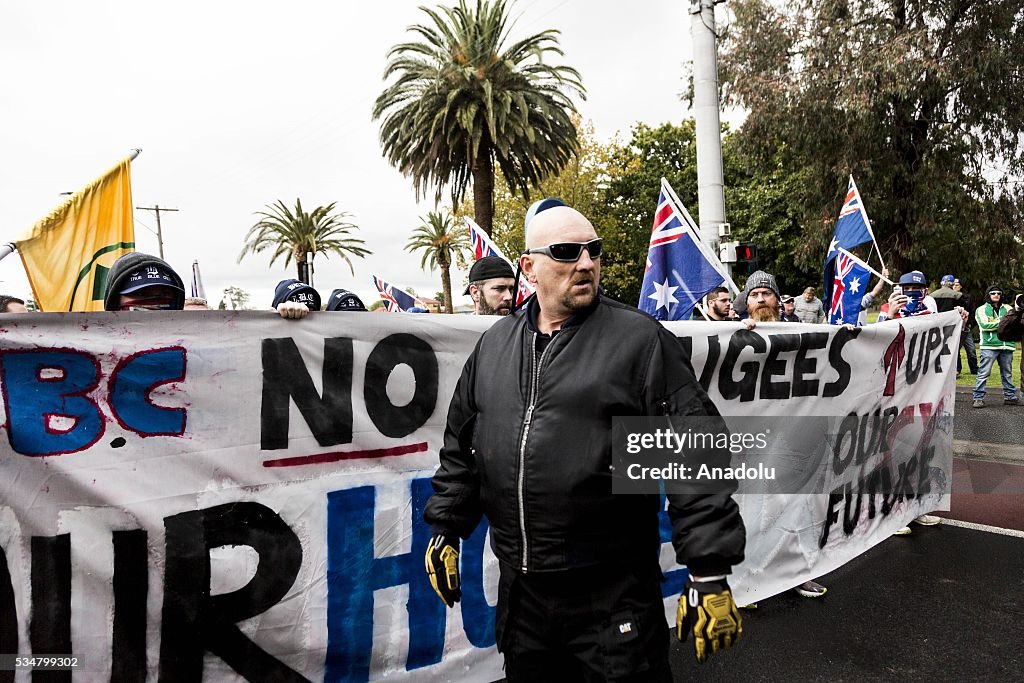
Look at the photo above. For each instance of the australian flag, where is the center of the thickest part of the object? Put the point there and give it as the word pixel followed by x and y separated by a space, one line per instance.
pixel 483 246
pixel 852 229
pixel 850 282
pixel 395 300
pixel 678 272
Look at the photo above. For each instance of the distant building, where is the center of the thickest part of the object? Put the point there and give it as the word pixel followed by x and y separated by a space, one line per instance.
pixel 432 305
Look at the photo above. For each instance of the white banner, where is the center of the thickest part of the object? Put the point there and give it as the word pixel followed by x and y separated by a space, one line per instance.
pixel 227 495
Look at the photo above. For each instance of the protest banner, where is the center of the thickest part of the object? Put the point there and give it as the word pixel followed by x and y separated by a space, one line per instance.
pixel 231 496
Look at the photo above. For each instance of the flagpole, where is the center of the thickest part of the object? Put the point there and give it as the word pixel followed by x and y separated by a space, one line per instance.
pixel 864 263
pixel 694 231
pixel 10 247
pixel 867 222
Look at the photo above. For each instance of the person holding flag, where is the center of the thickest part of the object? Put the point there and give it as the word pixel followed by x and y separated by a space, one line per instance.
pixel 680 269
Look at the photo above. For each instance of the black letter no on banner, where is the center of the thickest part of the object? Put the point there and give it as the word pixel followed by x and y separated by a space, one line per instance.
pixel 392 351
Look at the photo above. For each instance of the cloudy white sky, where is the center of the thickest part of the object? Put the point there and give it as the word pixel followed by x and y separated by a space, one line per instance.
pixel 238 104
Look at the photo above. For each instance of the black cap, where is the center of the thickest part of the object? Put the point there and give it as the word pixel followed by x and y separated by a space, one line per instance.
pixel 489 267
pixel 294 290
pixel 344 300
pixel 149 276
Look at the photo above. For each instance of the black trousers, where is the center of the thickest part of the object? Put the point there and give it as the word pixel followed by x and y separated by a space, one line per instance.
pixel 594 624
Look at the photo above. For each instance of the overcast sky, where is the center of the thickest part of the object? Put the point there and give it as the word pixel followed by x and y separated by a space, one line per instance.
pixel 238 104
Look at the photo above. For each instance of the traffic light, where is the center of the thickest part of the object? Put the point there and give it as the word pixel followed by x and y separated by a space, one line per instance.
pixel 746 257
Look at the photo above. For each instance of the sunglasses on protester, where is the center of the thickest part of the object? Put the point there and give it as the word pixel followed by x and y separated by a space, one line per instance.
pixel 569 251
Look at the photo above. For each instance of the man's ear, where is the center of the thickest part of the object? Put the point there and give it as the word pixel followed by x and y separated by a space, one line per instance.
pixel 526 263
pixel 474 293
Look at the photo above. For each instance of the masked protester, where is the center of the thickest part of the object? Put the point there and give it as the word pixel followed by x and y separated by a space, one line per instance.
pixel 909 301
pixel 579 594
pixel 140 282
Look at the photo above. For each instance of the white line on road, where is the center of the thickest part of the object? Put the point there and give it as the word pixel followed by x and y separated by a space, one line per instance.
pixel 984 527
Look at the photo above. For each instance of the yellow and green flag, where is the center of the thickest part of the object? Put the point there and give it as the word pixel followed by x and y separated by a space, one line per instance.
pixel 67 254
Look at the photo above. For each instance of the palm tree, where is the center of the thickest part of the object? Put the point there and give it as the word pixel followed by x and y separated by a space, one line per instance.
pixel 295 234
pixel 463 101
pixel 441 241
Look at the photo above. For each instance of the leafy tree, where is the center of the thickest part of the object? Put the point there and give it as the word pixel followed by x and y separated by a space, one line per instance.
pixel 919 99
pixel 375 305
pixel 635 172
pixel 293 234
pixel 442 242
pixel 762 205
pixel 579 184
pixel 464 99
pixel 237 297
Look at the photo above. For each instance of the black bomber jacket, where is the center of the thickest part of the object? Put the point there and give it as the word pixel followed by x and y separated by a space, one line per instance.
pixel 528 444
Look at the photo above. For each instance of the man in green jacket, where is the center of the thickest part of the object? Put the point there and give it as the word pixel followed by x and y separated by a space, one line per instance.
pixel 993 349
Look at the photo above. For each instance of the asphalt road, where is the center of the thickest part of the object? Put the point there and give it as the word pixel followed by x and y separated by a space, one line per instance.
pixel 944 604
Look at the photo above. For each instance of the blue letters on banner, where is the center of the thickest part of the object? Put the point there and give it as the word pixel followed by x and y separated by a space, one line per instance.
pixel 130 386
pixel 353 573
pixel 32 398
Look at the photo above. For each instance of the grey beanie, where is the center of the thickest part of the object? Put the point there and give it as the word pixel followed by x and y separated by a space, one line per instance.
pixel 759 279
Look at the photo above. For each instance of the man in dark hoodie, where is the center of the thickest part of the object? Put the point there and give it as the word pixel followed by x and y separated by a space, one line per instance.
pixel 140 282
pixel 294 299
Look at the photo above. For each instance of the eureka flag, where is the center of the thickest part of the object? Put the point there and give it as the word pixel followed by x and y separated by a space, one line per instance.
pixel 852 229
pixel 395 300
pixel 483 246
pixel 68 254
pixel 679 272
pixel 849 285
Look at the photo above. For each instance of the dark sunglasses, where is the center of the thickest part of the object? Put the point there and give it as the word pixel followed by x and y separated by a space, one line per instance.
pixel 569 251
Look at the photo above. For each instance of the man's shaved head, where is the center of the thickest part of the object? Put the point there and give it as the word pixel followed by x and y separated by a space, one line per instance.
pixel 563 287
pixel 558 224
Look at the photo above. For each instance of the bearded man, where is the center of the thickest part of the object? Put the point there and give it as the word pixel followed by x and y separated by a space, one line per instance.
pixel 761 296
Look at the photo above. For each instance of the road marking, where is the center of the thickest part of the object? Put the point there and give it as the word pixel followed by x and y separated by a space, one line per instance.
pixel 984 527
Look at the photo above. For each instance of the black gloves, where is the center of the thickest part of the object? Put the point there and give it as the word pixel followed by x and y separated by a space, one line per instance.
pixel 706 609
pixel 443 567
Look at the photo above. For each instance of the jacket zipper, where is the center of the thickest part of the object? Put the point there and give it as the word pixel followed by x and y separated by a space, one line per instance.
pixel 534 380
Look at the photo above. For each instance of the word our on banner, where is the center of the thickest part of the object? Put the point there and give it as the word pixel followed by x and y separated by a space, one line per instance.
pixel 234 496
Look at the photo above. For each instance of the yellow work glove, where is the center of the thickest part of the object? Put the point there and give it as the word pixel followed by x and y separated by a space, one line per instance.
pixel 443 568
pixel 707 610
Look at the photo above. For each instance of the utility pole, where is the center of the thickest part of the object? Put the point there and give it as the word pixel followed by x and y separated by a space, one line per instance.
pixel 156 208
pixel 710 180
